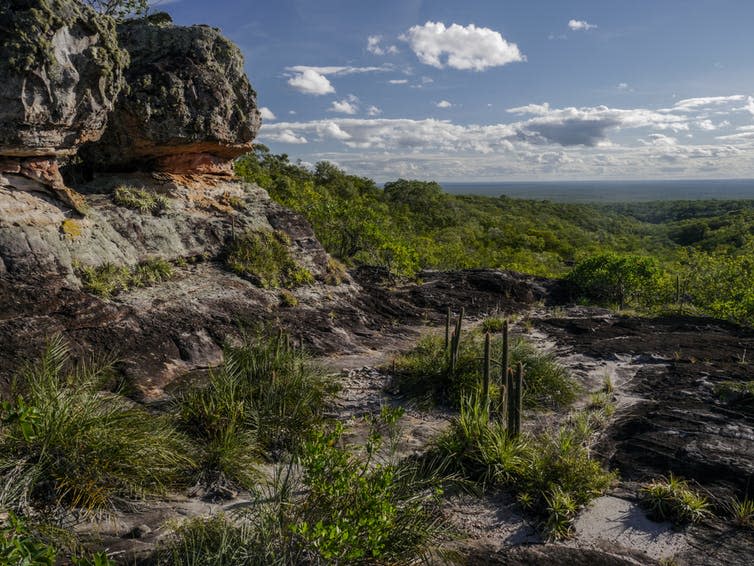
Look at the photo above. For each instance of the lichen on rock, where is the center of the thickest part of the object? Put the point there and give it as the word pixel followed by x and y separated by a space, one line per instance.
pixel 189 106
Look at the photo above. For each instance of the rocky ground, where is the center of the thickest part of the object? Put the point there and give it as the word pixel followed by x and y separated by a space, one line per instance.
pixel 668 419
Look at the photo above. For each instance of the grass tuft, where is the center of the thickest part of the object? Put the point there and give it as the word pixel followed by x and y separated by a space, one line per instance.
pixel 65 443
pixel 263 256
pixel 107 279
pixel 672 499
pixel 140 199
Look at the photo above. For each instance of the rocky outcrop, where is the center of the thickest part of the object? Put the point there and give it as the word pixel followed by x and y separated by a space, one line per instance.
pixel 60 72
pixel 190 107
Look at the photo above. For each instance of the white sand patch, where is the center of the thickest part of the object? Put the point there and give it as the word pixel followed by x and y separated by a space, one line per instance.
pixel 614 521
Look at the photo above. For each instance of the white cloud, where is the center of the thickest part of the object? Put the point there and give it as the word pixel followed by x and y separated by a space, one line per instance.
pixel 691 104
pixel 750 105
pixel 374 46
pixel 286 136
pixel 622 86
pixel 539 142
pixel 266 113
pixel 313 80
pixel 349 105
pixel 537 109
pixel 444 104
pixel 398 81
pixel 461 47
pixel 580 25
pixel 373 111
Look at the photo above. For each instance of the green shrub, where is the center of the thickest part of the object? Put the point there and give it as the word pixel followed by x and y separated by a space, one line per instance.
pixel 611 278
pixel 140 199
pixel 492 324
pixel 264 257
pixel 339 508
pixel 674 500
pixel 23 544
pixel 735 390
pixel 742 511
pixel 66 443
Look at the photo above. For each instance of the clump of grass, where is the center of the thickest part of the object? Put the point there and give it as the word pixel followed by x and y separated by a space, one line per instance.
pixel 730 391
pixel 552 474
pixel 338 508
pixel 107 280
pixel 263 256
pixel 65 443
pixel 264 401
pixel 674 500
pixel 288 299
pixel 335 272
pixel 140 199
pixel 492 324
pixel 425 372
pixel 742 511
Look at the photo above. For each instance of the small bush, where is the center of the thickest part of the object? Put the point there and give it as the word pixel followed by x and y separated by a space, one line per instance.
pixel 673 499
pixel 140 199
pixel 335 273
pixel 288 299
pixel 264 257
pixel 339 508
pixel 65 443
pixel 22 544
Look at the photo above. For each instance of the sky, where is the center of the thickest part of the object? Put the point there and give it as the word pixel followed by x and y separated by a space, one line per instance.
pixel 500 90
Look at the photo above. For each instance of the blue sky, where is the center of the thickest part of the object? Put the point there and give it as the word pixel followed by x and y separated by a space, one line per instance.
pixel 500 90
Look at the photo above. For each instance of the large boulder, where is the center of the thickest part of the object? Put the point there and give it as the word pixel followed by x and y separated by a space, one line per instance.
pixel 190 107
pixel 60 72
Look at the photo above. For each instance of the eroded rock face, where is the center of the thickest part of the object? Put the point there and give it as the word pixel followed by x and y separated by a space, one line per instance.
pixel 190 107
pixel 60 72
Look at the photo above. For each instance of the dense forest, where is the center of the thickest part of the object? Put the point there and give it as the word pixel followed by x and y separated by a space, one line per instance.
pixel 691 255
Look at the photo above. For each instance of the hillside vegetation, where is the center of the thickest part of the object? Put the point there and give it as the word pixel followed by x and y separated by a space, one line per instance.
pixel 696 256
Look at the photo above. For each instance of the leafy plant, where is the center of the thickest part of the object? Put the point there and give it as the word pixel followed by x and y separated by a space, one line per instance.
pixel 673 499
pixel 338 508
pixel 742 511
pixel 66 443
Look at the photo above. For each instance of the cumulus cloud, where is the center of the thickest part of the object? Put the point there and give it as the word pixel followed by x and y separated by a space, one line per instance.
pixel 622 86
pixel 580 25
pixel 313 80
pixel 374 46
pixel 398 81
pixel 310 81
pixel 349 105
pixel 266 113
pixel 373 111
pixel 461 47
pixel 444 104
pixel 539 140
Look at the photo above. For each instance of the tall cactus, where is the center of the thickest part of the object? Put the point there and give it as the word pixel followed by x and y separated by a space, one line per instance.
pixel 518 387
pixel 504 363
pixel 486 372
pixel 456 342
pixel 447 329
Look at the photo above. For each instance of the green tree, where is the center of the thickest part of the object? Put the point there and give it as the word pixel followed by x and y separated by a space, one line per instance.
pixel 618 279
